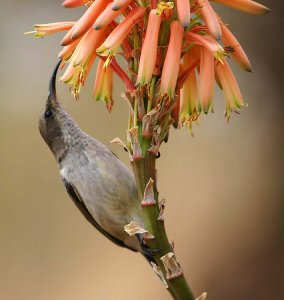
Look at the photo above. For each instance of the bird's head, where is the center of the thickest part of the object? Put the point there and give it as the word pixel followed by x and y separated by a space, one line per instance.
pixel 53 119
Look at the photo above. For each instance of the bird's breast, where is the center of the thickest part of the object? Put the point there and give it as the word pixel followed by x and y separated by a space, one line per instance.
pixel 107 189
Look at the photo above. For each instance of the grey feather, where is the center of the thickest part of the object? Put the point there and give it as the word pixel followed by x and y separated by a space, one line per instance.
pixel 75 196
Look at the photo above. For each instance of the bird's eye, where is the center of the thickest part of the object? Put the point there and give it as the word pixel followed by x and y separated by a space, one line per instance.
pixel 48 114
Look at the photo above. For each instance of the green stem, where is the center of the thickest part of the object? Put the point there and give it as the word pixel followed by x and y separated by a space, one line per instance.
pixel 135 119
pixel 144 169
pixel 136 45
pixel 151 93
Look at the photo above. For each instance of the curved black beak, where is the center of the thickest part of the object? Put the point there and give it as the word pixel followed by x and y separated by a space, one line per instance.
pixel 52 84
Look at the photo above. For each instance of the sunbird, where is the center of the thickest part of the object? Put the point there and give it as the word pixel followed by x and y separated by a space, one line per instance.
pixel 100 185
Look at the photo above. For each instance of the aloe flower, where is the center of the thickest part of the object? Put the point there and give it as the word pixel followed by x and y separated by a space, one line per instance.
pixel 107 16
pixel 68 50
pixel 233 97
pixel 210 19
pixel 118 4
pixel 208 42
pixel 238 53
pixel 74 3
pixel 75 77
pixel 75 74
pixel 183 9
pixel 154 37
pixel 87 47
pixel 149 48
pixel 103 85
pixel 206 80
pixel 117 36
pixel 171 67
pixel 189 92
pixel 248 6
pixel 89 17
pixel 41 30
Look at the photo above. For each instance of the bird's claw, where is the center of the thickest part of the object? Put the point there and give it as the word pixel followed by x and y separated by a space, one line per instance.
pixel 144 247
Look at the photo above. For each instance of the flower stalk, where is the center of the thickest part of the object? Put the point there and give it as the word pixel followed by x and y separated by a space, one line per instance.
pixel 144 169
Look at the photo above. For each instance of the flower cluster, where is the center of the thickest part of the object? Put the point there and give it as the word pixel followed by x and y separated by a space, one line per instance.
pixel 175 52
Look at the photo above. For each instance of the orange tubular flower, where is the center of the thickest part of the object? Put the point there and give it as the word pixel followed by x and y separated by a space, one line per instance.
pixel 188 93
pixel 246 6
pixel 208 42
pixel 41 30
pixel 106 17
pixel 73 3
pixel 233 97
pixel 206 80
pixel 188 101
pixel 117 36
pixel 67 39
pixel 89 17
pixel 238 53
pixel 149 48
pixel 183 8
pixel 171 66
pixel 82 59
pixel 75 76
pixel 118 4
pixel 67 51
pixel 103 85
pixel 87 47
pixel 210 19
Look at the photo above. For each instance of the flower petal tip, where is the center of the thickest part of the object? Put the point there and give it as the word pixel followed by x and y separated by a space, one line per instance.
pixel 115 7
pixel 248 69
pixel 66 40
pixel 63 43
pixel 74 36
pixel 266 10
pixel 185 24
pixel 218 38
pixel 97 27
pixel 246 66
pixel 72 3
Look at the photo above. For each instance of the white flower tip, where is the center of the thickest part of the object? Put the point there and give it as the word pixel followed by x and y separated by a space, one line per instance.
pixel 202 297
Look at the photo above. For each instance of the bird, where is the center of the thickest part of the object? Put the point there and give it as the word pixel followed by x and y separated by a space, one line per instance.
pixel 100 185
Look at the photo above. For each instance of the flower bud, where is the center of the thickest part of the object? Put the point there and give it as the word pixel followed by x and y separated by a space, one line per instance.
pixel 238 52
pixel 117 36
pixel 183 9
pixel 118 4
pixel 171 65
pixel 106 17
pixel 206 80
pixel 73 3
pixel 149 49
pixel 210 19
pixel 88 18
pixel 248 6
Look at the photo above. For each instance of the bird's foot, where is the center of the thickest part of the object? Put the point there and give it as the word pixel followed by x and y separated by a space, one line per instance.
pixel 146 251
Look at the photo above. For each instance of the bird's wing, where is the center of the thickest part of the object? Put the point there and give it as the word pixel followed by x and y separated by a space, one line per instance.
pixel 75 196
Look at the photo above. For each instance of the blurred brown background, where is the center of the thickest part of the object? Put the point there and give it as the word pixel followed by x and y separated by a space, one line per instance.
pixel 224 187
